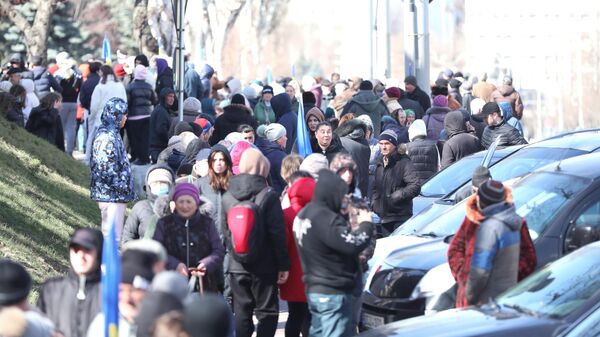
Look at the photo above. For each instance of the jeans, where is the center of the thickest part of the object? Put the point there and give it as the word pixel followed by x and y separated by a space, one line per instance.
pixel 258 295
pixel 68 117
pixel 331 315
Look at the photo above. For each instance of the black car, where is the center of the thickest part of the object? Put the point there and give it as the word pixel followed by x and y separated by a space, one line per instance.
pixel 560 299
pixel 561 203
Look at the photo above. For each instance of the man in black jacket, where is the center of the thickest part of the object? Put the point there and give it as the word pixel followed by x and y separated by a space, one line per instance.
pixel 43 80
pixel 497 127
pixel 72 301
pixel 141 99
pixel 460 143
pixel 329 143
pixel 396 184
pixel 160 123
pixel 254 284
pixel 352 135
pixel 415 93
pixel 329 246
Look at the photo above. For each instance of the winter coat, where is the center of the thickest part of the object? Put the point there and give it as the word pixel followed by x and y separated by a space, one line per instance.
pixel 508 136
pixel 191 242
pixel 352 136
pixel 462 248
pixel 282 106
pixel 420 96
pixel 272 254
pixel 395 187
pixel 365 102
pixel 506 93
pixel 300 194
pixel 425 158
pixel 87 89
pixel 70 84
pixel 275 155
pixel 47 125
pixel 111 178
pixel 145 213
pixel 140 98
pixel 408 103
pixel 478 124
pixel 102 93
pixel 264 114
pixel 160 123
pixel 483 90
pixel 205 75
pixel 328 248
pixel 58 300
pixel 334 148
pixel 434 121
pixel 44 81
pixel 192 84
pixel 216 198
pixel 233 116
pixel 164 78
pixel 460 143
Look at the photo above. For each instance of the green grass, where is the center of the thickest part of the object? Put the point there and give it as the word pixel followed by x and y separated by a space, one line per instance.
pixel 44 196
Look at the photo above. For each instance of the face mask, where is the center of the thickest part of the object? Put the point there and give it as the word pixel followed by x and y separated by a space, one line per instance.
pixel 160 190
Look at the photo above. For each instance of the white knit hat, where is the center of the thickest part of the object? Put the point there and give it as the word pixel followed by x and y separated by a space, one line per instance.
pixel 416 129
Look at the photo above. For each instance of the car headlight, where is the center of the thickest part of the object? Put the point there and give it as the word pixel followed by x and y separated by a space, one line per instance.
pixel 395 282
pixel 433 284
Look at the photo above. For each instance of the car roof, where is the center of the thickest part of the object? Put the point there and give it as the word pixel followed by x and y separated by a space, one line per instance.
pixel 588 141
pixel 585 166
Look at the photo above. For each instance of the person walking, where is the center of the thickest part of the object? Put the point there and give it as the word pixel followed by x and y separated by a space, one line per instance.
pixel 111 178
pixel 141 99
pixel 329 247
pixel 396 184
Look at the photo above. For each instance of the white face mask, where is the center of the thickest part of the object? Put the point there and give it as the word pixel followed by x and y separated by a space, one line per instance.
pixel 159 189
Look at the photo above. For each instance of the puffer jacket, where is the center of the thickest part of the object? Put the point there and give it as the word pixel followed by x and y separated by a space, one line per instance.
pixel 365 102
pixel 145 213
pixel 425 158
pixel 71 301
pixel 44 81
pixel 434 121
pixel 508 136
pixel 395 187
pixel 460 143
pixel 111 178
pixel 462 248
pixel 141 99
pixel 191 242
pixel 46 124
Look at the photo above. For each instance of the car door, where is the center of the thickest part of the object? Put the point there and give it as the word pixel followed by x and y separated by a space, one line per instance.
pixel 584 224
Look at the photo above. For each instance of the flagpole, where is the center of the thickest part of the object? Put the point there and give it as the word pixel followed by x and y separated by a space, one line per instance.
pixel 111 276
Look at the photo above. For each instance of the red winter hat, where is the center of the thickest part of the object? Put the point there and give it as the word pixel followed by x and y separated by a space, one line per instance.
pixel 119 70
pixel 393 92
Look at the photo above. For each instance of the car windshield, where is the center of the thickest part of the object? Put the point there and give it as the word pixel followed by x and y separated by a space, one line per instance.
pixel 452 177
pixel 537 197
pixel 560 288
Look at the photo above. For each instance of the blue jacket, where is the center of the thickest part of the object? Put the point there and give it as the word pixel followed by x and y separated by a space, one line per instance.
pixel 111 178
pixel 275 155
pixel 282 106
pixel 192 84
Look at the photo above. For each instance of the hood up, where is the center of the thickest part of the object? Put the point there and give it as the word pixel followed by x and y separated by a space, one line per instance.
pixel 330 190
pixel 113 112
pixel 454 123
pixel 367 99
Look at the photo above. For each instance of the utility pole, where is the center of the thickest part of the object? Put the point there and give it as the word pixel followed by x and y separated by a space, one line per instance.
pixel 416 44
pixel 178 59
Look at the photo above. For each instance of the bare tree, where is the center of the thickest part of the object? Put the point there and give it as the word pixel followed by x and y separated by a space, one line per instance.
pixel 266 15
pixel 146 43
pixel 35 33
pixel 162 25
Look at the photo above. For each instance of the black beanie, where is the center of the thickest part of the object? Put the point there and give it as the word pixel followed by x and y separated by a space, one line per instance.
pixel 491 192
pixel 480 175
pixel 182 127
pixel 365 85
pixel 15 283
pixel 489 108
pixel 238 99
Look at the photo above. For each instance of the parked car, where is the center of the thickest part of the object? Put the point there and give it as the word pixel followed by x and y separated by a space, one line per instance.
pixel 560 299
pixel 561 203
pixel 510 164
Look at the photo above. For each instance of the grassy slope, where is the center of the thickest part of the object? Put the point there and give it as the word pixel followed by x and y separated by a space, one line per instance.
pixel 44 196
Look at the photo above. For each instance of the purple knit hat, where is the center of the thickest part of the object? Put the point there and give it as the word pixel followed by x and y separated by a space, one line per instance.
pixel 182 189
pixel 440 100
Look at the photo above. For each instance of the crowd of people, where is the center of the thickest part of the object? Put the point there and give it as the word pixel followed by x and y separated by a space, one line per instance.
pixel 230 210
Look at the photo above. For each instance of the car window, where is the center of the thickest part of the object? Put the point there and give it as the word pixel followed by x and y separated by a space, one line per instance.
pixel 589 327
pixel 560 288
pixel 541 195
pixel 528 160
pixel 450 178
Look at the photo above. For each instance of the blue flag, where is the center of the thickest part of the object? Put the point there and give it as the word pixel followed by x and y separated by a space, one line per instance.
pixel 303 139
pixel 111 277
pixel 106 53
pixel 269 76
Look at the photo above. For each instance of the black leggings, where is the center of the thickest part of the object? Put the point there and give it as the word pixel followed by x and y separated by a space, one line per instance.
pixel 298 319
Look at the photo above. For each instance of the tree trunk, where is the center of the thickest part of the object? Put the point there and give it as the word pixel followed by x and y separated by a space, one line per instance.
pixel 146 43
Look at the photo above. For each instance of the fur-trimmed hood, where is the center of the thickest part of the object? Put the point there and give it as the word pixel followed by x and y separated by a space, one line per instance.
pixel 354 128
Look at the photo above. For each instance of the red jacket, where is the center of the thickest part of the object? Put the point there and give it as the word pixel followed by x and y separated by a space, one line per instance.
pixel 300 194
pixel 462 248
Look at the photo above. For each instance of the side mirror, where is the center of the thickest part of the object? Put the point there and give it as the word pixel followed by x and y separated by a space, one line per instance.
pixel 580 235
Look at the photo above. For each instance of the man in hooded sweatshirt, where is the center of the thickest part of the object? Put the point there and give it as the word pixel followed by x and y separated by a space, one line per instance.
pixel 282 106
pixel 329 246
pixel 72 301
pixel 365 102
pixel 254 284
pixel 460 143
pixel 160 123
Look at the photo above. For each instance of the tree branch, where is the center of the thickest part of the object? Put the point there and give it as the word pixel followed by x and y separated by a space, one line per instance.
pixel 15 16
